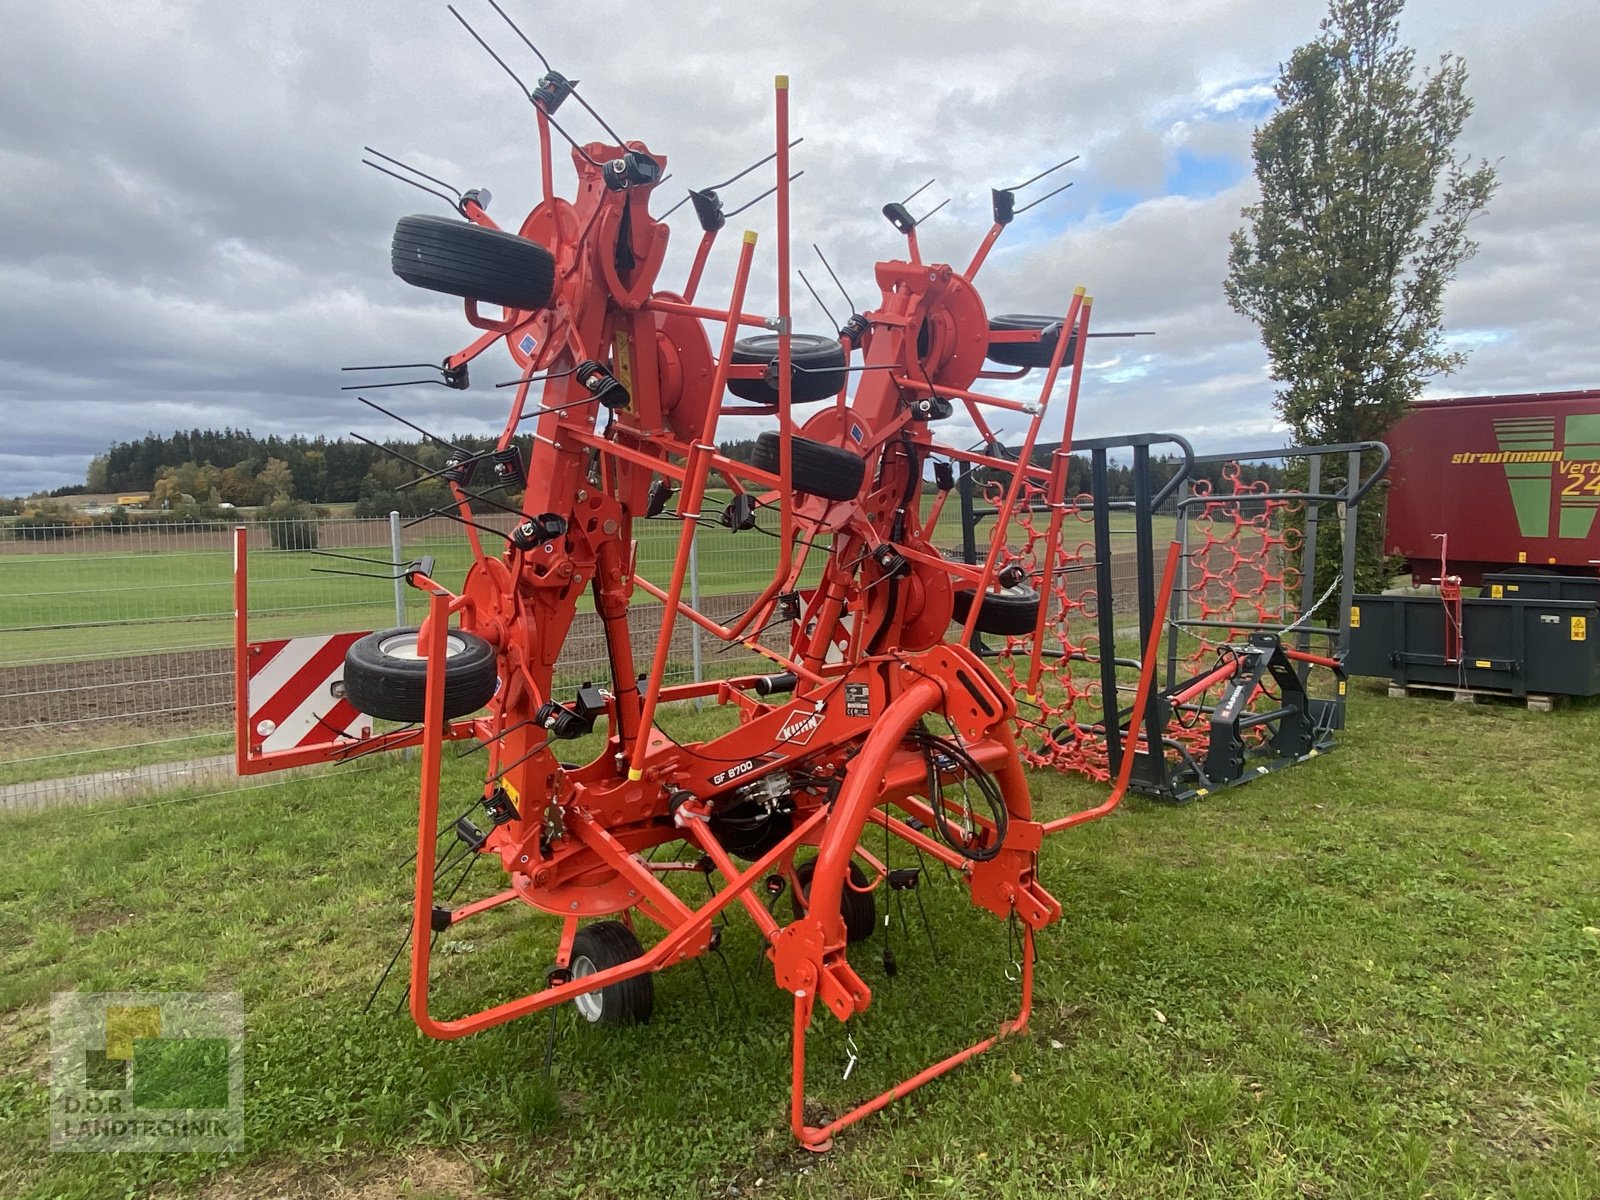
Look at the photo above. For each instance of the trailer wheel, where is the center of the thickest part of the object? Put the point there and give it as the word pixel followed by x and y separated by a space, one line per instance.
pixel 1026 354
pixel 817 367
pixel 859 909
pixel 466 260
pixel 818 469
pixel 385 676
pixel 599 947
pixel 1013 612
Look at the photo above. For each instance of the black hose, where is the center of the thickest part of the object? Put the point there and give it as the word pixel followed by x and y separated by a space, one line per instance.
pixel 931 744
pixel 897 533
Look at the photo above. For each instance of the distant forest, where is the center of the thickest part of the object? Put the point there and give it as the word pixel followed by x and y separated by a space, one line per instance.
pixel 206 467
pixel 203 468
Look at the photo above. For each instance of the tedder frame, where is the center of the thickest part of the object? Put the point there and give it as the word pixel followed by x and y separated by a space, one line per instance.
pixel 875 715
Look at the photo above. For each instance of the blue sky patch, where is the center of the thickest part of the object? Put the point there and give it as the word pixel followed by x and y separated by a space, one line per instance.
pixel 1198 176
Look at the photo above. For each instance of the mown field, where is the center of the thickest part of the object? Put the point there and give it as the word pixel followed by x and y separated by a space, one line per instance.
pixel 99 605
pixel 71 605
pixel 1370 976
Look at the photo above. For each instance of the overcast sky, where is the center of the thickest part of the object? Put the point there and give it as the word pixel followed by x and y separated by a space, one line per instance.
pixel 187 237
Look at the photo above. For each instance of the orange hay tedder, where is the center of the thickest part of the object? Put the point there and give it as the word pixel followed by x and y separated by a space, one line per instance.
pixel 875 716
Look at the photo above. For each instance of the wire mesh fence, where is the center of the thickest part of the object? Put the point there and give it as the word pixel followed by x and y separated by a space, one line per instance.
pixel 116 643
pixel 116 659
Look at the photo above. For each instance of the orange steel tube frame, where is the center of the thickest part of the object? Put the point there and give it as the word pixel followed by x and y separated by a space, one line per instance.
pixel 610 305
pixel 841 824
pixel 820 1138
pixel 1077 322
pixel 857 800
pixel 694 485
pixel 674 947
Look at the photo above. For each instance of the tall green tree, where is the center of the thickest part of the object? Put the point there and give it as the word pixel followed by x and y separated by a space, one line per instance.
pixel 1363 221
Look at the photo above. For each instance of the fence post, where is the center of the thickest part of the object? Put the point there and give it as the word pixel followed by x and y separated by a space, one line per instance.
pixel 694 603
pixel 399 582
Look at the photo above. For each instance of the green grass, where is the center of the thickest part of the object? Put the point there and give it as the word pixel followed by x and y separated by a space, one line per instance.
pixel 96 605
pixel 82 606
pixel 57 754
pixel 1372 975
pixel 85 606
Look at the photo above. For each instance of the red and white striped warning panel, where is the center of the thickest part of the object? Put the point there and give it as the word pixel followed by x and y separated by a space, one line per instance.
pixel 297 694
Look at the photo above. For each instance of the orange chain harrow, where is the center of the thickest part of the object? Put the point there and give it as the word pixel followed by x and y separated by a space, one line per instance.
pixel 1241 604
pixel 1242 573
pixel 1056 715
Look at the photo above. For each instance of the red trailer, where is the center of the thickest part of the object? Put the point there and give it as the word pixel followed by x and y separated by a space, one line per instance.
pixel 1514 481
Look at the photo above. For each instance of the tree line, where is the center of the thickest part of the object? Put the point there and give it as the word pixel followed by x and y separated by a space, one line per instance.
pixel 199 471
pixel 247 470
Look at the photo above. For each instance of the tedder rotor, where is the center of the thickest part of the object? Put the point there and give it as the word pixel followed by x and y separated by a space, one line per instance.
pixel 876 715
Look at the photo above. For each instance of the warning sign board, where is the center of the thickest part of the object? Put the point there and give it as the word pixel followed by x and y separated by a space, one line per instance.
pixel 296 694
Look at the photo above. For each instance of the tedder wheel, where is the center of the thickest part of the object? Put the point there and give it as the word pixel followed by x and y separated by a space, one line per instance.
pixel 1013 612
pixel 385 675
pixel 599 947
pixel 1026 354
pixel 462 259
pixel 819 469
pixel 817 367
pixel 859 910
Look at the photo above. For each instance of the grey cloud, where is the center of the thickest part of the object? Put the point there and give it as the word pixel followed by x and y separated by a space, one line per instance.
pixel 187 238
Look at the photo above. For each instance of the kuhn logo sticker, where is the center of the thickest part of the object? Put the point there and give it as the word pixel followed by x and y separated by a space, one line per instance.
pixel 798 729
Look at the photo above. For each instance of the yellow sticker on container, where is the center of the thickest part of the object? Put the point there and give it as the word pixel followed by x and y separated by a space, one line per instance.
pixel 1484 663
pixel 1580 629
pixel 1522 556
pixel 1341 687
pixel 1355 616
pixel 1496 592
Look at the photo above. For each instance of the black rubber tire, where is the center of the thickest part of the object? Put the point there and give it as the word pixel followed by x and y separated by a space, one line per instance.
pixel 1013 612
pixel 1026 354
pixel 816 367
pixel 466 260
pixel 599 947
pixel 382 680
pixel 859 909
pixel 818 469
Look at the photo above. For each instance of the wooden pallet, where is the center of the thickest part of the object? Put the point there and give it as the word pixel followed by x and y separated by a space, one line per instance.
pixel 1536 701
